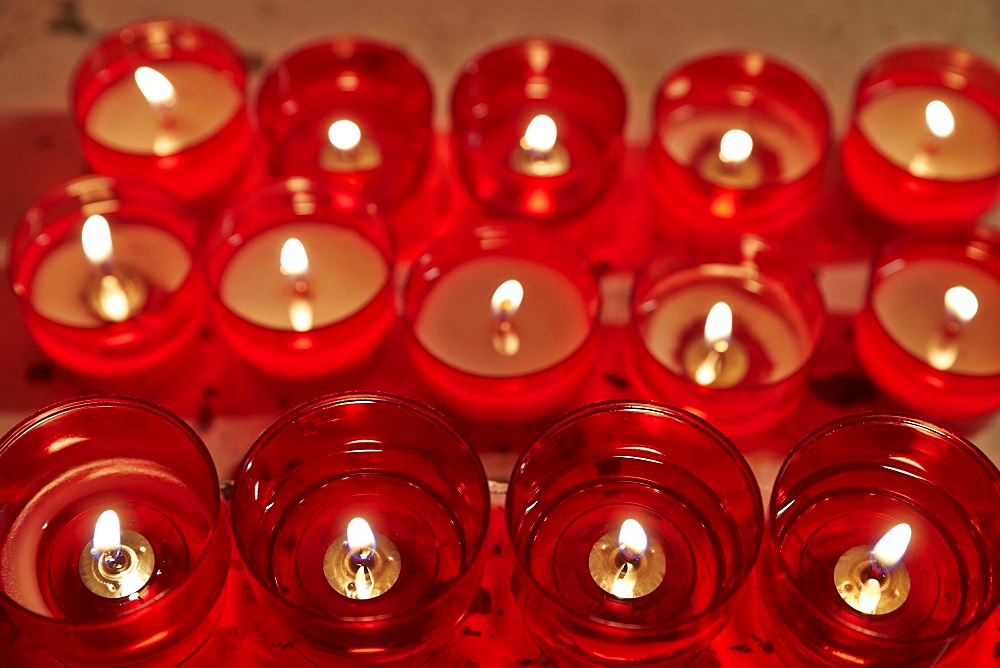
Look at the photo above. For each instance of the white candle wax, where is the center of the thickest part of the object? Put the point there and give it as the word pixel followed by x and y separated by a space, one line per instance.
pixel 59 284
pixel 692 137
pixel 910 306
pixel 456 325
pixel 346 271
pixel 122 119
pixel 781 334
pixel 896 126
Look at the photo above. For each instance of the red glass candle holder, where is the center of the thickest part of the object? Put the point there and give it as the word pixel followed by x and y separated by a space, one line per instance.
pixel 740 143
pixel 490 360
pixel 192 135
pixel 518 165
pixel 418 487
pixel 321 310
pixel 745 372
pixel 588 595
pixel 135 304
pixel 155 596
pixel 927 335
pixel 839 492
pixel 352 113
pixel 913 163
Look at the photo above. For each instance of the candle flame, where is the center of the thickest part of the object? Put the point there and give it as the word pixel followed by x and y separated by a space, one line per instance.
pixel 940 120
pixel 960 304
pixel 719 327
pixel 156 88
pixel 96 240
pixel 294 260
pixel 360 538
pixel 540 135
pixel 632 540
pixel 869 596
pixel 107 533
pixel 345 135
pixel 889 550
pixel 507 299
pixel 735 147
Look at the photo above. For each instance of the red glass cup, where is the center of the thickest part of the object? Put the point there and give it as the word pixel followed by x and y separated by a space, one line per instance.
pixel 191 136
pixel 296 320
pixel 912 162
pixel 420 489
pixel 493 362
pixel 740 143
pixel 59 471
pixel 518 165
pixel 587 594
pixel 839 492
pixel 352 113
pixel 744 371
pixel 927 335
pixel 135 304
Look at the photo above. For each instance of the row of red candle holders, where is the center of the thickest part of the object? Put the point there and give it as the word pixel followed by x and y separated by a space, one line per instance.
pixel 107 275
pixel 361 519
pixel 740 140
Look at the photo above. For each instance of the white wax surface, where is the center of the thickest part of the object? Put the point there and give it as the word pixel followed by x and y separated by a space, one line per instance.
pixel 346 271
pixel 149 253
pixel 687 130
pixel 782 335
pixel 910 306
pixel 456 325
pixel 896 126
pixel 122 119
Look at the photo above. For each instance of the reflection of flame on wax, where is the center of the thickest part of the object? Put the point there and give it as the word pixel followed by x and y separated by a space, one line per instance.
pixel 111 298
pixel 294 264
pixel 631 546
pixel 344 135
pixel 960 307
pixel 718 334
pixel 540 135
pixel 361 543
pixel 885 556
pixel 504 304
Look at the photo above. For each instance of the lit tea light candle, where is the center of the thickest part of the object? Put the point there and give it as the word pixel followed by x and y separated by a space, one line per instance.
pixel 940 125
pixel 349 150
pixel 718 361
pixel 961 306
pixel 873 581
pixel 346 273
pixel 625 565
pixel 738 139
pixel 294 264
pixel 117 563
pixel 539 152
pixel 115 294
pixel 469 323
pixel 163 110
pixel 362 564
pixel 504 304
pixel 933 133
